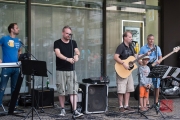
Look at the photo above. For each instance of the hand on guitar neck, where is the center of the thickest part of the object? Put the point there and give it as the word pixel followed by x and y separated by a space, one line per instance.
pixel 175 49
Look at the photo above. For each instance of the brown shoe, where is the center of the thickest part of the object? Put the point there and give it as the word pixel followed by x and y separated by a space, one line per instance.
pixel 143 109
pixel 121 109
pixel 146 108
pixel 129 109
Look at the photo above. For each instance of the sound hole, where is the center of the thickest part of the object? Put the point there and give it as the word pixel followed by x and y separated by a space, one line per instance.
pixel 131 65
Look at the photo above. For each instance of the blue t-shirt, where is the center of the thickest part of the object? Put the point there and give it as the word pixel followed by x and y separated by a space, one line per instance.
pixel 154 55
pixel 10 47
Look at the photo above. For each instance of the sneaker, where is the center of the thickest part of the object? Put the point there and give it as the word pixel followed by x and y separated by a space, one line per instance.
pixel 148 105
pixel 121 109
pixel 17 110
pixel 129 109
pixel 76 114
pixel 157 105
pixel 2 109
pixel 63 112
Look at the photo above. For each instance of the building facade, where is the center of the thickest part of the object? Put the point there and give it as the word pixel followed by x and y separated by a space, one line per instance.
pixel 97 27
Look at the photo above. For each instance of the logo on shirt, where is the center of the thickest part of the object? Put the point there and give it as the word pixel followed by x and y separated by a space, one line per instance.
pixel 11 43
pixel 146 73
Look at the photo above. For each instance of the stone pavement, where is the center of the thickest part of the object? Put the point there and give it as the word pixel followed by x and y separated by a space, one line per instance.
pixel 111 114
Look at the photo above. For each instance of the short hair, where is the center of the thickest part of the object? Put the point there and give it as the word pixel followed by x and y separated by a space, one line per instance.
pixel 65 27
pixel 125 34
pixel 150 35
pixel 11 26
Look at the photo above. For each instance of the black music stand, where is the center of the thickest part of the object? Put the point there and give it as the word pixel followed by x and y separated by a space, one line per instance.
pixel 160 71
pixel 34 68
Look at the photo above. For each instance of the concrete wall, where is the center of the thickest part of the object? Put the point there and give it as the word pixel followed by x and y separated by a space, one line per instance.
pixel 170 30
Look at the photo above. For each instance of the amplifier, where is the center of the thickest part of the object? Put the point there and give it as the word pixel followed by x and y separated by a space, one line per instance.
pixel 96 80
pixel 47 95
pixel 95 98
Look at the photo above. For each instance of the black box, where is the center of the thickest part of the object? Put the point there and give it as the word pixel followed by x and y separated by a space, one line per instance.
pixel 95 98
pixel 24 100
pixel 48 98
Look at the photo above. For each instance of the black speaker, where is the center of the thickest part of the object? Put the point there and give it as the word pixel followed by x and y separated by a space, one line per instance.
pixel 95 98
pixel 48 98
pixel 24 100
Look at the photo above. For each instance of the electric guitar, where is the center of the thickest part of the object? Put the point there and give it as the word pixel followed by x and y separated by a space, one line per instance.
pixel 122 72
pixel 175 49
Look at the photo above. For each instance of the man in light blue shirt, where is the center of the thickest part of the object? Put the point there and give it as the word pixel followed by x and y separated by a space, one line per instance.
pixel 154 57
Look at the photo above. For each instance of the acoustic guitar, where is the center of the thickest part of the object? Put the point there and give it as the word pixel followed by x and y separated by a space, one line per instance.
pixel 122 72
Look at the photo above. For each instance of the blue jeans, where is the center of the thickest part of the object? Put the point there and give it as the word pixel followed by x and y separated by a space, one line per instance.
pixel 6 73
pixel 156 82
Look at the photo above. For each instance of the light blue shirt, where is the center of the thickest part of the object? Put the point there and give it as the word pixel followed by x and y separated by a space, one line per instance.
pixel 144 49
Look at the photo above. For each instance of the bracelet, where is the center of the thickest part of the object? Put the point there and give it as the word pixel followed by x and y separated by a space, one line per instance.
pixel 66 58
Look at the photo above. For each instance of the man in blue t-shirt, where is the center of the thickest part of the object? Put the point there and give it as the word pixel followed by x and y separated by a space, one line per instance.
pixel 154 57
pixel 10 48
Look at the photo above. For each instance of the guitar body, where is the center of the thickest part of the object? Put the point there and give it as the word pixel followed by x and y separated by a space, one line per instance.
pixel 121 71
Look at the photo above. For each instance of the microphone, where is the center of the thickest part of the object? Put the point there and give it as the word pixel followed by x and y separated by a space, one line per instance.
pixel 134 41
pixel 21 43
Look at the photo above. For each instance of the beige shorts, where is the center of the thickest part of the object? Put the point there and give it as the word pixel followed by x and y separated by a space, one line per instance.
pixel 124 84
pixel 66 82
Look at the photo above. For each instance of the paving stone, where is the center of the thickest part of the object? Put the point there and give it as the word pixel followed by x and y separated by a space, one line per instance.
pixel 112 113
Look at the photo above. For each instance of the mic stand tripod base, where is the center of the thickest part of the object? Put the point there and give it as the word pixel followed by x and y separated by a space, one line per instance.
pixel 157 110
pixel 142 113
pixel 32 108
pixel 41 111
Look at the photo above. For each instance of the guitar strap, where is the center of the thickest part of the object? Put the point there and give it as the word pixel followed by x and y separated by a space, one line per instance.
pixel 132 49
pixel 150 63
pixel 156 56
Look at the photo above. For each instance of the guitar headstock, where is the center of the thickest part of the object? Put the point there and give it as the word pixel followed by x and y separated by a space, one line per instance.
pixel 151 50
pixel 176 49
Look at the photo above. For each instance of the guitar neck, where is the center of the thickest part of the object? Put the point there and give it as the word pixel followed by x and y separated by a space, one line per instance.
pixel 139 58
pixel 167 55
pixel 163 58
pixel 143 55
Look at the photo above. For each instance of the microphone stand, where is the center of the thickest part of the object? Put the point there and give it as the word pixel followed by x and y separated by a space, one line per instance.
pixel 42 111
pixel 73 68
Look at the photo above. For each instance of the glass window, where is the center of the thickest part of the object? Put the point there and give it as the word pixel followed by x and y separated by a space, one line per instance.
pixel 85 19
pixel 152 2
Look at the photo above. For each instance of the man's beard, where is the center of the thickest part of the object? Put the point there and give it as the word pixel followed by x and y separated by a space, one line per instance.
pixel 16 33
pixel 67 38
